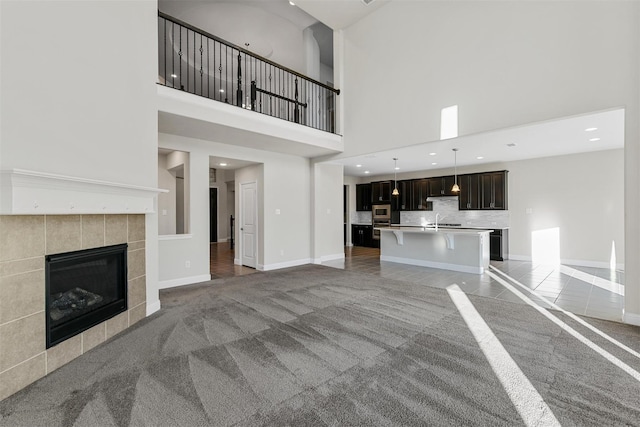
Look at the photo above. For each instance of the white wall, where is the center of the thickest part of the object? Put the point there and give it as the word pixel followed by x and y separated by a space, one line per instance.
pixel 68 105
pixel 240 23
pixel 582 195
pixel 283 183
pixel 287 183
pixel 326 74
pixel 327 212
pixel 504 64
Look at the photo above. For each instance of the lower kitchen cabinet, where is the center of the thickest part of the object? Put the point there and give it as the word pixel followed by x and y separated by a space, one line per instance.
pixel 362 235
pixel 499 245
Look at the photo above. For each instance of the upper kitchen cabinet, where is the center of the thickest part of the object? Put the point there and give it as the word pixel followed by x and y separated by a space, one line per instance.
pixel 402 202
pixel 363 197
pixel 441 186
pixel 469 197
pixel 493 190
pixel 381 192
pixel 419 194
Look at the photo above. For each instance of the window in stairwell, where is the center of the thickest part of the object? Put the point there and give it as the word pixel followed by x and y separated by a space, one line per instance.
pixel 449 122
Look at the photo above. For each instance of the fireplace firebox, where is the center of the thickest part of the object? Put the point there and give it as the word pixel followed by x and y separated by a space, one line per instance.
pixel 84 288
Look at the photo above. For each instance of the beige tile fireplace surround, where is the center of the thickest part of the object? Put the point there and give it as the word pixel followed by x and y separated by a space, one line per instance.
pixel 24 242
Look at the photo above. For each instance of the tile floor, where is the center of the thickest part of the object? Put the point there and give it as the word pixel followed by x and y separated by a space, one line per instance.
pixel 594 292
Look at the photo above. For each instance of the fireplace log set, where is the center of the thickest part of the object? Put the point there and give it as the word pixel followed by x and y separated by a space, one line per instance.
pixel 71 302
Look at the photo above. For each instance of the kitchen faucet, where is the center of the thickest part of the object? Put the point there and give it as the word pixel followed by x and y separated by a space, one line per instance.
pixel 437 216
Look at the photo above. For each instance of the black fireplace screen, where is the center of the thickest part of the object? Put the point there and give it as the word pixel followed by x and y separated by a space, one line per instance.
pixel 84 288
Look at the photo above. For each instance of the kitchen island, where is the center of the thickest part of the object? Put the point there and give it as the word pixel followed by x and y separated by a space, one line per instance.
pixel 464 250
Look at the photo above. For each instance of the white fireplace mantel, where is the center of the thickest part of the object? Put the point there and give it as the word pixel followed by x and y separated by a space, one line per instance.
pixel 24 192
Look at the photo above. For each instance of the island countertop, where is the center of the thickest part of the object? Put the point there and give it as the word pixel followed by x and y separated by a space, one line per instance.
pixel 441 230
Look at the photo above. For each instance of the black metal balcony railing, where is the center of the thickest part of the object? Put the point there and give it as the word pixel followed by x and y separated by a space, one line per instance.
pixel 197 62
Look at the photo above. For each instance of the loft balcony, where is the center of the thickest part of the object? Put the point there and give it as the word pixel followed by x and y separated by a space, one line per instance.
pixel 194 62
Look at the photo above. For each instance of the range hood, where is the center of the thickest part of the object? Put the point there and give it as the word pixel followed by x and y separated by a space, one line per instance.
pixel 442 198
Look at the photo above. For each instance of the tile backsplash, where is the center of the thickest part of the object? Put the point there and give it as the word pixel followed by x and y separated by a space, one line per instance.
pixel 447 207
pixel 360 217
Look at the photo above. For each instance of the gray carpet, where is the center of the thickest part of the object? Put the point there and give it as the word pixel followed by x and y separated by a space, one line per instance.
pixel 319 346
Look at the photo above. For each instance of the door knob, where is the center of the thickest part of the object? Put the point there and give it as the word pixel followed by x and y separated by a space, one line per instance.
pixel 241 229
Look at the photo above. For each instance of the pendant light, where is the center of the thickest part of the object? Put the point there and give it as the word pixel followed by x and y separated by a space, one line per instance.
pixel 455 188
pixel 395 180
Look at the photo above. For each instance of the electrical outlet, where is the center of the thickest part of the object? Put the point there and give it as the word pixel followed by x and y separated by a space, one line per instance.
pixel 277 211
pixel 529 211
pixel 187 264
pixel 164 211
pixel 281 251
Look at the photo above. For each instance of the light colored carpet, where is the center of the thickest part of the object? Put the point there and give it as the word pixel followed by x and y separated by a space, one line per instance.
pixel 319 346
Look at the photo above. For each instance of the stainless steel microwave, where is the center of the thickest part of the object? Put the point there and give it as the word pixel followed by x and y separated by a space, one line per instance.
pixel 381 212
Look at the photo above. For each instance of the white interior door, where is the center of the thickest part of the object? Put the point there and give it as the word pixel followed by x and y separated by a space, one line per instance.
pixel 248 224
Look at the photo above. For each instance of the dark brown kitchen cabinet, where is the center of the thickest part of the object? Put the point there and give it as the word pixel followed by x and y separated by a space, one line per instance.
pixel 493 190
pixel 419 194
pixel 441 186
pixel 362 235
pixel 363 197
pixel 499 245
pixel 469 198
pixel 381 192
pixel 402 202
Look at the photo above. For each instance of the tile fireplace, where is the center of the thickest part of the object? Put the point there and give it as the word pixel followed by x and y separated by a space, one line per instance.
pixel 83 289
pixel 26 241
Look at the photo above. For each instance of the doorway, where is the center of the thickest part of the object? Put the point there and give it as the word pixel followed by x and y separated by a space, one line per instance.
pixel 213 215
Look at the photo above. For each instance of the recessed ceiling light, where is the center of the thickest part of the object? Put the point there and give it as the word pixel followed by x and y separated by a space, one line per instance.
pixel 221 90
pixel 366 171
pixel 358 166
pixel 397 168
pixel 434 163
pixel 174 75
pixel 432 154
pixel 590 129
pixel 291 3
pixel 594 139
pixel 479 157
pixel 223 164
pixel 511 144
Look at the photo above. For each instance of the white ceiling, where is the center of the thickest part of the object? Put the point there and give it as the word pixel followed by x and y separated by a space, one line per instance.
pixel 544 139
pixel 231 164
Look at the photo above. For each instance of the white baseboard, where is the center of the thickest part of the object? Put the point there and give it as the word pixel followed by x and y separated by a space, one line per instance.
pixel 153 307
pixel 223 240
pixel 631 318
pixel 237 261
pixel 327 258
pixel 576 262
pixel 182 281
pixel 432 264
pixel 286 264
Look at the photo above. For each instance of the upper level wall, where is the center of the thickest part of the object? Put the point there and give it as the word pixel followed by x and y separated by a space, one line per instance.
pixel 240 23
pixel 502 63
pixel 78 89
